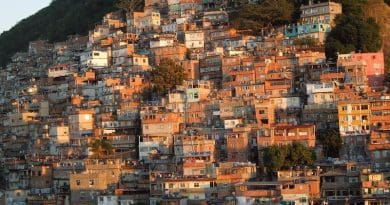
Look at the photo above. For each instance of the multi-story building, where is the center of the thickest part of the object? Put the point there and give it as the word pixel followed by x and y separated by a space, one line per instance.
pixel 280 134
pixel 238 145
pixel 320 12
pixel 354 117
pixel 373 66
pixel 227 174
pixel 278 80
pixel 324 116
pixel 81 126
pixel 341 183
pixel 319 93
pixel 177 53
pixel 210 68
pixel 194 148
pixel 378 145
pixel 196 144
pixel 95 59
pixel 194 39
pixel 316 31
pixel 375 187
pixel 100 176
pixel 265 113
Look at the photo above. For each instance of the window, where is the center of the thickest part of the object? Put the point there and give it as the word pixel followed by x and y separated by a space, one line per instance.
pixel 261 111
pixel 364 107
pixel 78 182
pixel 91 182
pixel 170 185
pixel 344 108
pixel 196 184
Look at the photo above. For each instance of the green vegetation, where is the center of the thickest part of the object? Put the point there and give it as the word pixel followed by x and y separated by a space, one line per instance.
pixel 101 147
pixel 54 23
pixel 379 10
pixel 285 156
pixel 130 5
pixel 266 13
pixel 353 32
pixel 331 142
pixel 167 75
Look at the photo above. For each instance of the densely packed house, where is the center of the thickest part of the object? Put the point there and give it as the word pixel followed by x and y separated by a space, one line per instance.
pixel 75 127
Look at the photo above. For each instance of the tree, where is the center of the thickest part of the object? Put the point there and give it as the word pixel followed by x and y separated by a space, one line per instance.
pixel 274 157
pixel 264 14
pixel 101 147
pixel 285 156
pixel 130 5
pixel 298 154
pixel 279 12
pixel 352 7
pixel 353 32
pixel 331 142
pixel 167 75
pixel 54 23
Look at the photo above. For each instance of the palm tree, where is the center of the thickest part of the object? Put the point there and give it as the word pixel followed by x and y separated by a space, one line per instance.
pixel 101 146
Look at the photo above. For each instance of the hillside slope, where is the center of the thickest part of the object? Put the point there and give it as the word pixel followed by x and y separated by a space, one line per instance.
pixel 380 11
pixel 54 23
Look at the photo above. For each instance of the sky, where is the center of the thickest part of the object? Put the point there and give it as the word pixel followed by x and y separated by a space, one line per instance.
pixel 13 11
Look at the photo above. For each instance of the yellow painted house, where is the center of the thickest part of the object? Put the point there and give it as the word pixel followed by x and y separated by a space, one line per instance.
pixel 354 117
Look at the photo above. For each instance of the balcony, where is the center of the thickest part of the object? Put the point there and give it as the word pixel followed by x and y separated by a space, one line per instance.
pixel 260 193
pixel 322 89
pixel 278 76
pixel 338 185
pixel 380 107
pixel 378 146
pixel 337 198
pixel 277 87
pixel 381 118
pixel 376 184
